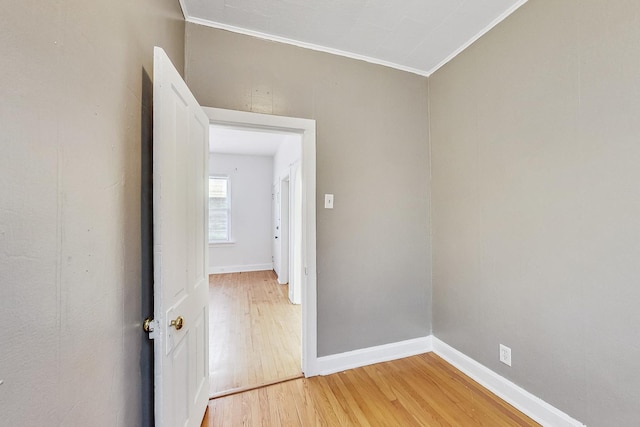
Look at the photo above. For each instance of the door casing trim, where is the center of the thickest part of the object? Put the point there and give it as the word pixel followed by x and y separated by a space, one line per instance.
pixel 307 129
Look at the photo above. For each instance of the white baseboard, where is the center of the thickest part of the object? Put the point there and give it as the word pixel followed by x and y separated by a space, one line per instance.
pixel 239 268
pixel 527 403
pixel 368 356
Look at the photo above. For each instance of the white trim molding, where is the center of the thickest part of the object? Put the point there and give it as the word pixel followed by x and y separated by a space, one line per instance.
pixel 368 356
pixel 305 45
pixel 239 268
pixel 352 55
pixel 536 408
pixel 307 129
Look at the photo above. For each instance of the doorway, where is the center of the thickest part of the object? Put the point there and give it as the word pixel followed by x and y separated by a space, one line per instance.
pixel 296 229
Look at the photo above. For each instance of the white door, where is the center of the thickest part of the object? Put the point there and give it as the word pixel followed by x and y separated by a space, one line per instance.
pixel 283 272
pixel 180 328
pixel 276 228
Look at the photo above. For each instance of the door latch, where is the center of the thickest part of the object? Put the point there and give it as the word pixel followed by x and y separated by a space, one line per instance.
pixel 150 325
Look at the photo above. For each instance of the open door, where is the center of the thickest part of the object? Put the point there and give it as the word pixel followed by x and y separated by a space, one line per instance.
pixel 283 272
pixel 180 325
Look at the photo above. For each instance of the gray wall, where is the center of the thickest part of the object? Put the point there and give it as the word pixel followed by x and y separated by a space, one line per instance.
pixel 536 204
pixel 372 153
pixel 74 108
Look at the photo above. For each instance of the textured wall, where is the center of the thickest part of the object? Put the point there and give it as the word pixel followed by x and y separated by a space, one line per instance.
pixel 372 153
pixel 536 203
pixel 72 109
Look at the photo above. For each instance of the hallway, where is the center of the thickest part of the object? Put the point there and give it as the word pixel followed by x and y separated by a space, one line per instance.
pixel 254 332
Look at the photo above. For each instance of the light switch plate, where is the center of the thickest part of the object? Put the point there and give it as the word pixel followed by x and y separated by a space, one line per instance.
pixel 328 201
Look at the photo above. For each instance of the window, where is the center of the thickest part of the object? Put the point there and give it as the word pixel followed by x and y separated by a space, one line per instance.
pixel 219 209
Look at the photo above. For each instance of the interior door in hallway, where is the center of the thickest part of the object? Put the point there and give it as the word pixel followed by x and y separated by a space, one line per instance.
pixel 283 271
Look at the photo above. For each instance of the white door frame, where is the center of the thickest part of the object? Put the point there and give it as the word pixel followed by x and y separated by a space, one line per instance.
pixel 307 129
pixel 284 222
pixel 295 222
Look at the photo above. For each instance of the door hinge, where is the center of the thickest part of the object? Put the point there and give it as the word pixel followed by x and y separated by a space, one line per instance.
pixel 150 325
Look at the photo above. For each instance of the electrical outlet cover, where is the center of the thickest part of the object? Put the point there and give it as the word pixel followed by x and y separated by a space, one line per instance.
pixel 505 355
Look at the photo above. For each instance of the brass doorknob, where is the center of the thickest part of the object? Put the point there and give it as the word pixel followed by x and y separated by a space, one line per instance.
pixel 178 323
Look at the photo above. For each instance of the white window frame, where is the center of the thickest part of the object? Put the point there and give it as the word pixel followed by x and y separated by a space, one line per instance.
pixel 229 239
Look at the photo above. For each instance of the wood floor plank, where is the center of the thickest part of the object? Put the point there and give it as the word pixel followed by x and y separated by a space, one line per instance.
pixel 255 332
pixel 421 390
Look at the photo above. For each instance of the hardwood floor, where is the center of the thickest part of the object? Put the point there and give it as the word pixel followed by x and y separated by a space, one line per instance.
pixel 421 390
pixel 254 332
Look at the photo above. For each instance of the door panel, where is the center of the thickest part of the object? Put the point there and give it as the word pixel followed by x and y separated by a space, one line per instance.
pixel 180 170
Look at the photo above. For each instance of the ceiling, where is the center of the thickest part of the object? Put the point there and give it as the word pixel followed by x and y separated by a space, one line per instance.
pixel 418 36
pixel 246 141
